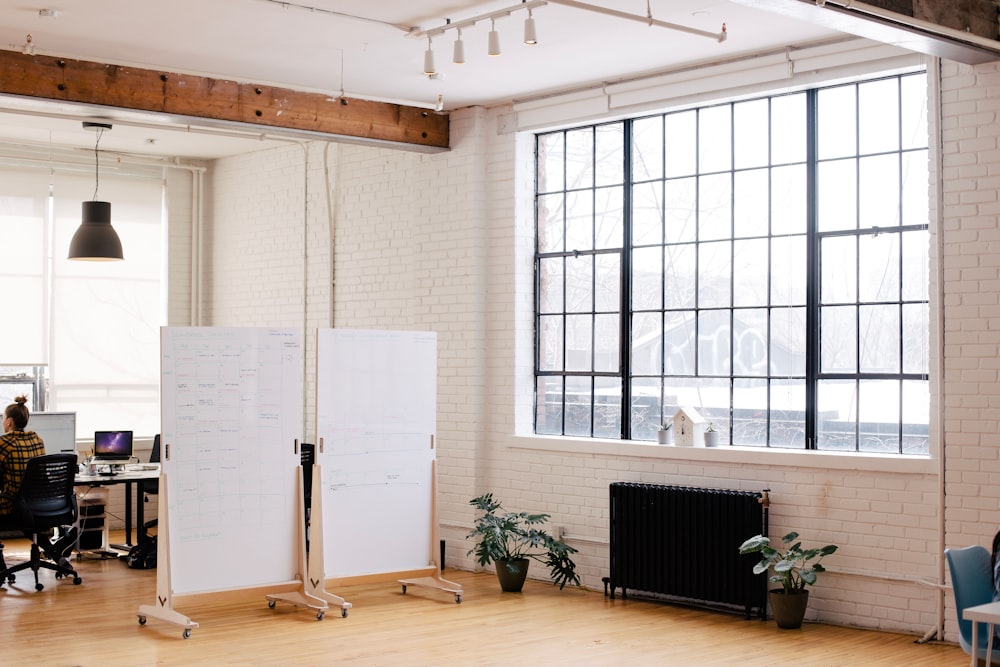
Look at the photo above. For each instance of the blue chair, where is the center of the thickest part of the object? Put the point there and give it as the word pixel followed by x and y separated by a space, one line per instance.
pixel 972 581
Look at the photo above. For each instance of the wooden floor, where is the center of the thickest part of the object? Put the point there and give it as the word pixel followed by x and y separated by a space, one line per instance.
pixel 95 624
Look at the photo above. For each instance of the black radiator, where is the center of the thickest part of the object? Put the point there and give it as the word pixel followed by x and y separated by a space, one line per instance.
pixel 683 542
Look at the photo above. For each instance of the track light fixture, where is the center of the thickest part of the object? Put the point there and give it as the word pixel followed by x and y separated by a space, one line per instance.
pixel 530 31
pixel 530 35
pixel 494 39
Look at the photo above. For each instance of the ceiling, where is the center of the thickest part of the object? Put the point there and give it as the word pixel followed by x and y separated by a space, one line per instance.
pixel 362 48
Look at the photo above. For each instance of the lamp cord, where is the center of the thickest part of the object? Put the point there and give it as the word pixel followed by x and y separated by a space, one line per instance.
pixel 97 163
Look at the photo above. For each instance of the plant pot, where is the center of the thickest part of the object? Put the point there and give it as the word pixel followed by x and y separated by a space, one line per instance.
pixel 511 574
pixel 665 437
pixel 711 438
pixel 788 608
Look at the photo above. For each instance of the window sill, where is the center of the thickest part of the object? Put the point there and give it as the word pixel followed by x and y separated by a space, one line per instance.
pixel 729 455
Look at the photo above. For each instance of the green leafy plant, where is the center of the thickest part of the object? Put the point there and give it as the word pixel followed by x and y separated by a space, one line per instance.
pixel 795 568
pixel 710 427
pixel 509 536
pixel 665 426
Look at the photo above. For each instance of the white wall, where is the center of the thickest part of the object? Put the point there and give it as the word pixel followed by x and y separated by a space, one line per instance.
pixel 439 242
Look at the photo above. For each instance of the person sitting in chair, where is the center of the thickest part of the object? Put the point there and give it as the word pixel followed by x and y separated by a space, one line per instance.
pixel 16 447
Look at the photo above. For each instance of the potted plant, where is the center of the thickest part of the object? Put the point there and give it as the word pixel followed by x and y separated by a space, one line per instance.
pixel 711 435
pixel 794 569
pixel 665 433
pixel 510 540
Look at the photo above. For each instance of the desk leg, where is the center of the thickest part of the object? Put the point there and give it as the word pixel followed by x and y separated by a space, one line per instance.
pixel 975 643
pixel 989 645
pixel 128 515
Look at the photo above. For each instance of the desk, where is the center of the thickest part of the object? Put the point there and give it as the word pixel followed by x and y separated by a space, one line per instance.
pixel 130 478
pixel 982 613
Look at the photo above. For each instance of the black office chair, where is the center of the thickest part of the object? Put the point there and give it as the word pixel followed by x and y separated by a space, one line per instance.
pixel 150 487
pixel 46 500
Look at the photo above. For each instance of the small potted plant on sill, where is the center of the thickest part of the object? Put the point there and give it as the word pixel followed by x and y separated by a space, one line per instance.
pixel 510 540
pixel 794 569
pixel 711 435
pixel 665 433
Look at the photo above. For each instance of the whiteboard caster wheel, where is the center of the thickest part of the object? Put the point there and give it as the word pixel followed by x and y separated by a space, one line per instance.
pixel 142 620
pixel 271 604
pixel 458 599
pixel 186 633
pixel 320 615
pixel 343 613
pixel 404 589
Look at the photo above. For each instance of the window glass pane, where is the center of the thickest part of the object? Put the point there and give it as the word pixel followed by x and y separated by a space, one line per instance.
pixel 714 274
pixel 607 407
pixel 550 285
pixel 749 412
pixel 915 189
pixel 550 223
pixel 750 208
pixel 878 109
pixel 647 213
pixel 551 156
pixel 838 339
pixel 608 284
pixel 645 413
pixel 680 205
pixel 548 405
pixel 788 342
pixel 788 410
pixel 879 328
pixel 839 258
pixel 916 417
pixel 715 197
pixel 647 343
pixel 647 278
pixel 580 220
pixel 678 343
pixel 579 342
pixel 647 148
pixel 837 122
pixel 579 159
pixel 916 332
pixel 913 90
pixel 836 415
pixel 878 191
pixel 579 406
pixel 550 343
pixel 750 342
pixel 750 274
pixel 606 337
pixel 788 271
pixel 580 284
pixel 751 137
pixel 837 195
pixel 878 407
pixel 609 218
pixel 714 139
pixel 788 128
pixel 712 396
pixel 878 267
pixel 679 143
pixel 714 342
pixel 916 278
pixel 678 276
pixel 610 157
pixel 788 200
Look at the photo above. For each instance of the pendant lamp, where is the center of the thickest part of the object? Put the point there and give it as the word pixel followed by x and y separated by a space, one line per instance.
pixel 95 239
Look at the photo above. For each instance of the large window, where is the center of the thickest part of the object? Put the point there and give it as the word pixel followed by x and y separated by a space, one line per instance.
pixel 92 328
pixel 764 261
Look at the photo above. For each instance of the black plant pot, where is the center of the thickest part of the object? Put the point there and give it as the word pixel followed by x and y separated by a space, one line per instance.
pixel 512 574
pixel 788 608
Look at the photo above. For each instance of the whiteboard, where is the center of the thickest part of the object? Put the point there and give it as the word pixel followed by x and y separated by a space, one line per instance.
pixel 56 429
pixel 231 407
pixel 376 403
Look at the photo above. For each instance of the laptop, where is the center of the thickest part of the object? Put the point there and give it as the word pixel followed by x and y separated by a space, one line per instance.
pixel 112 447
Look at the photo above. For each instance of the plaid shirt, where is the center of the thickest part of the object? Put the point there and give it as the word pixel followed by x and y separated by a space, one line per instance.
pixel 16 448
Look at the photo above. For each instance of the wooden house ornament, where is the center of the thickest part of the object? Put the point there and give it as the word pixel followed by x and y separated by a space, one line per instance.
pixel 689 428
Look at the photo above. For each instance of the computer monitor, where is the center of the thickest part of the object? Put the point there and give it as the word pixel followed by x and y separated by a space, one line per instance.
pixel 112 446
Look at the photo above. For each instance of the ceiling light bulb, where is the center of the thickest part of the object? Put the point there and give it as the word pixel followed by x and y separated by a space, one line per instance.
pixel 429 68
pixel 459 55
pixel 530 36
pixel 494 39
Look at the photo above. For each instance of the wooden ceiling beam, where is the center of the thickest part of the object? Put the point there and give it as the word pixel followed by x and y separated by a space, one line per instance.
pixel 199 97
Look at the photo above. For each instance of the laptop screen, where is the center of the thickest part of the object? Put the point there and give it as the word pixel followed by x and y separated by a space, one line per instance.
pixel 112 445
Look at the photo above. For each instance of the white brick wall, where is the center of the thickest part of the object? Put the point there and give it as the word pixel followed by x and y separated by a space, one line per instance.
pixel 440 243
